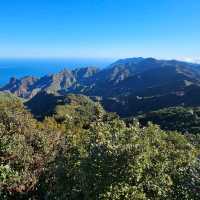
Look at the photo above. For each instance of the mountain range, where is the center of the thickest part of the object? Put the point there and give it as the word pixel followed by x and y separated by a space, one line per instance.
pixel 128 86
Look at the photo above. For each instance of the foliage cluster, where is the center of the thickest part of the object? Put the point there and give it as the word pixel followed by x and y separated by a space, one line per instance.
pixel 182 119
pixel 100 158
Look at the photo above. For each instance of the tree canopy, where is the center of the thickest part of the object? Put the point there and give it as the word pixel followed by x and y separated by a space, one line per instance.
pixel 101 157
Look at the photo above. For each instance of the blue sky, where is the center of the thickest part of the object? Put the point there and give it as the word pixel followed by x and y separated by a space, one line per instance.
pixel 100 28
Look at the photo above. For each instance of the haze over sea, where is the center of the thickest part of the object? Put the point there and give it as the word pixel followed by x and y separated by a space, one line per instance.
pixel 40 67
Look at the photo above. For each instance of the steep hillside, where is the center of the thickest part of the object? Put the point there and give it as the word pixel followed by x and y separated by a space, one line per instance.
pixel 184 120
pixel 128 86
pixel 66 155
pixel 135 77
pixel 132 105
pixel 80 108
pixel 21 87
pixel 27 87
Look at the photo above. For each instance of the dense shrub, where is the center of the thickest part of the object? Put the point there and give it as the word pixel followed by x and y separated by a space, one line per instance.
pixel 104 160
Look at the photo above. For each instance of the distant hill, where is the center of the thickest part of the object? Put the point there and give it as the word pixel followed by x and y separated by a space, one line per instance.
pixel 184 120
pixel 128 86
pixel 29 86
pixel 69 108
pixel 44 104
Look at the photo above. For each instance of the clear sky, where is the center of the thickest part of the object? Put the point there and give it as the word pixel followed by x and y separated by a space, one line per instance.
pixel 100 28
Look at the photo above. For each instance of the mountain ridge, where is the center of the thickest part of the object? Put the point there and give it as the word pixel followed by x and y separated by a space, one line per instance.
pixel 127 86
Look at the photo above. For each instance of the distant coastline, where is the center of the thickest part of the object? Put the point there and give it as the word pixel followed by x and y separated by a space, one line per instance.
pixel 39 67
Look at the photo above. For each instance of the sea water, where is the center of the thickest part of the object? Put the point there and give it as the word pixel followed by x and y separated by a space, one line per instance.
pixel 39 67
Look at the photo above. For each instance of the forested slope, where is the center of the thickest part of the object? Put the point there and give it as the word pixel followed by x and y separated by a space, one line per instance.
pixel 104 159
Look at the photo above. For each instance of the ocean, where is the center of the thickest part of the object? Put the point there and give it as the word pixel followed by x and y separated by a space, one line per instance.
pixel 39 67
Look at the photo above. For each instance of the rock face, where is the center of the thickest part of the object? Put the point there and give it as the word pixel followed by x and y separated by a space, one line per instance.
pixel 27 87
pixel 21 87
pixel 128 86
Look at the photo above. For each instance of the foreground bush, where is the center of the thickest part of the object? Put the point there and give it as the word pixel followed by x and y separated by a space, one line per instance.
pixel 112 161
pixel 106 160
pixel 26 146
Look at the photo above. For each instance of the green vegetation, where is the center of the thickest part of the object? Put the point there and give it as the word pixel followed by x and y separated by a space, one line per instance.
pixel 77 109
pixel 83 153
pixel 183 119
